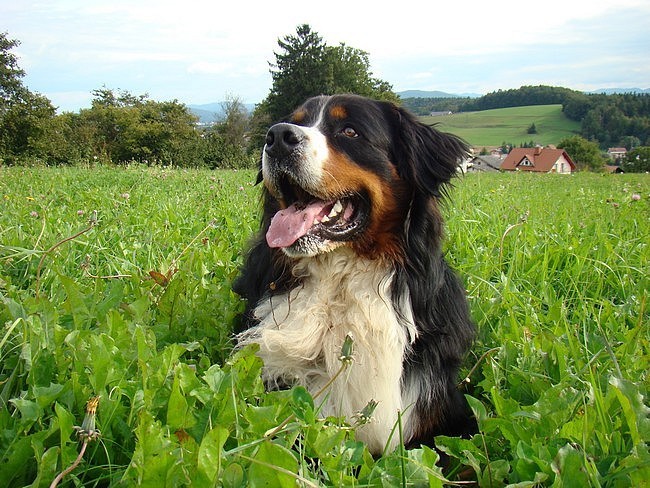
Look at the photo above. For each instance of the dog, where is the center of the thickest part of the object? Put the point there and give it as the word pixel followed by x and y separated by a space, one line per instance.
pixel 351 245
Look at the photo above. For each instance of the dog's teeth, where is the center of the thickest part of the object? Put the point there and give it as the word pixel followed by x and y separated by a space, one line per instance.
pixel 325 219
pixel 316 221
pixel 336 209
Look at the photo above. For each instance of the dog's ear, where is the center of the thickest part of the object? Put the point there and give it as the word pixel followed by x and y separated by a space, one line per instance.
pixel 425 156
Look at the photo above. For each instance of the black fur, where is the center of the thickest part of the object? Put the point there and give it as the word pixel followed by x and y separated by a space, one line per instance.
pixel 425 160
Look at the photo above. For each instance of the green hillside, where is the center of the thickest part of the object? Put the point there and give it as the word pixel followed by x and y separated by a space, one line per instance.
pixel 493 127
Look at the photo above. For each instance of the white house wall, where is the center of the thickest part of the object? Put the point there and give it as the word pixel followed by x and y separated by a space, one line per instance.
pixel 562 165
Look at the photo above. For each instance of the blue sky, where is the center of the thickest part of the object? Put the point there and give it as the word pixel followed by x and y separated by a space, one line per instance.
pixel 200 51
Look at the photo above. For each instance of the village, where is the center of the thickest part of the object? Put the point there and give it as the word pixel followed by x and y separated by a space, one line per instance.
pixel 538 159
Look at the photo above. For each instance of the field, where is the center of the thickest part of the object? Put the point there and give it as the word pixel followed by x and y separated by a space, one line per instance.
pixel 116 283
pixel 490 128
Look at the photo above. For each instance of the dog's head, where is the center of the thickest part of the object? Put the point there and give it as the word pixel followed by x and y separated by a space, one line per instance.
pixel 347 170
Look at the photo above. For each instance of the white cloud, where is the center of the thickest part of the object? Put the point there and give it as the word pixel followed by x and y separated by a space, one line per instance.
pixel 204 67
pixel 202 49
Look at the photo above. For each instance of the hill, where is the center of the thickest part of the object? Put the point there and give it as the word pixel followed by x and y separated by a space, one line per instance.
pixel 620 91
pixel 494 127
pixel 208 113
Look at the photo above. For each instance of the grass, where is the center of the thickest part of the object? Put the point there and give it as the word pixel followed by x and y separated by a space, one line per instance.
pixel 137 309
pixel 490 128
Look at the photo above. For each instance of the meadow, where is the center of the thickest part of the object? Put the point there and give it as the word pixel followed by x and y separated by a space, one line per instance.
pixel 115 283
pixel 489 128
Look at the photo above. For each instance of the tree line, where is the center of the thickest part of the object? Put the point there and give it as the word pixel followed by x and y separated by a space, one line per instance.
pixel 120 127
pixel 608 120
pixel 611 120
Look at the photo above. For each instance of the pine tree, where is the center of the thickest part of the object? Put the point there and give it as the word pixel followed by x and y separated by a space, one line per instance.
pixel 306 67
pixel 297 73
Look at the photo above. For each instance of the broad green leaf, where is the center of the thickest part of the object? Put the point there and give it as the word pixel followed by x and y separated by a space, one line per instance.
pixel 430 459
pixel 302 404
pixel 262 419
pixel 637 466
pixel 322 439
pixel 210 452
pixel 462 449
pixel 13 461
pixel 478 408
pixel 66 423
pixel 44 367
pixel 273 466
pixel 154 462
pixel 103 355
pixel 16 310
pixel 569 469
pixel 214 377
pixel 29 411
pixel 47 467
pixel 113 296
pixel 233 476
pixel 75 303
pixel 635 411
pixel 495 473
pixel 178 414
pixel 45 395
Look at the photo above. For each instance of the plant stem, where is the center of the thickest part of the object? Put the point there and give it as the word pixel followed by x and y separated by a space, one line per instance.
pixel 76 462
pixel 40 263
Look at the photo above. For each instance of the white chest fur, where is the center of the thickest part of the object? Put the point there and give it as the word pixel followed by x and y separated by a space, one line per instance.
pixel 301 333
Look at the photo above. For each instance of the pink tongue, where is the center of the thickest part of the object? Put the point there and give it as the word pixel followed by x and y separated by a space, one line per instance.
pixel 290 224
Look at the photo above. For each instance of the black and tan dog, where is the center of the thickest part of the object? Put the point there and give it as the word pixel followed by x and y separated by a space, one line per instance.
pixel 351 245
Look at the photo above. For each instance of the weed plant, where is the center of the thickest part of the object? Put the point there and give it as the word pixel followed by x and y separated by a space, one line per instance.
pixel 115 283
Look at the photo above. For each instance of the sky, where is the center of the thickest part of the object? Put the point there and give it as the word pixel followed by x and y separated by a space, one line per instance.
pixel 202 51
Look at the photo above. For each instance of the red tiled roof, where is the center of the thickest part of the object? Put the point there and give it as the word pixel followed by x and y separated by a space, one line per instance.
pixel 542 159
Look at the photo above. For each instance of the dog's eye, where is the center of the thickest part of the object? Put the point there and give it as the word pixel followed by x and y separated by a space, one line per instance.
pixel 349 132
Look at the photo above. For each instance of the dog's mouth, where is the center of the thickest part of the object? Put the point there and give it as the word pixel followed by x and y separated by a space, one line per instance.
pixel 313 220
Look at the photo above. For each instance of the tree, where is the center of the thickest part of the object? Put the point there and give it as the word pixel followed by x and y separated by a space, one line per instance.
pixel 532 129
pixel 105 97
pixel 307 67
pixel 235 124
pixel 630 142
pixel 349 72
pixel 23 115
pixel 11 85
pixel 123 127
pixel 584 153
pixel 225 144
pixel 297 73
pixel 520 97
pixel 23 124
pixel 637 160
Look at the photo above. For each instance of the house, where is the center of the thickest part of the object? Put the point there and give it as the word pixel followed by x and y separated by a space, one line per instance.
pixel 539 160
pixel 481 164
pixel 617 153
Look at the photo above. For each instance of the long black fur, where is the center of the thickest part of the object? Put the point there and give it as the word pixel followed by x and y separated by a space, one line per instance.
pixel 427 160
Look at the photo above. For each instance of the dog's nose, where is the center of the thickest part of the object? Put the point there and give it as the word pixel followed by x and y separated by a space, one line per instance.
pixel 282 139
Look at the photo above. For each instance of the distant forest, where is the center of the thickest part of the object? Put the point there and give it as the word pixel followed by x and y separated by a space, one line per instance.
pixel 610 120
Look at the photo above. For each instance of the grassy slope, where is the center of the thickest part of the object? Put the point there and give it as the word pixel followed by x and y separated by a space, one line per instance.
pixel 560 301
pixel 493 127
